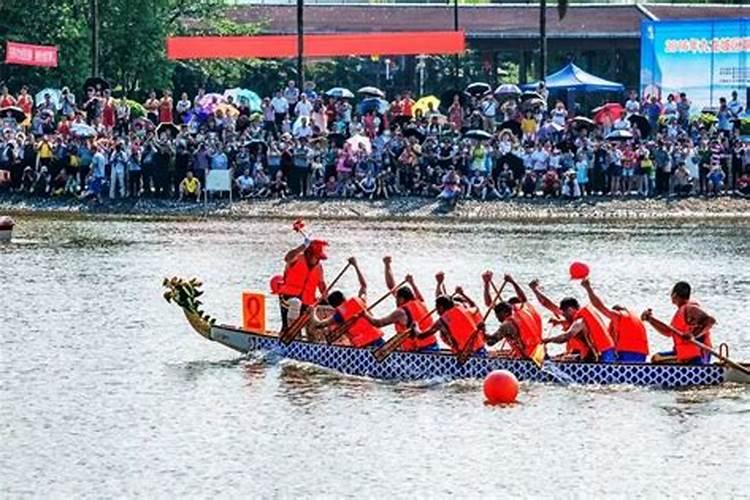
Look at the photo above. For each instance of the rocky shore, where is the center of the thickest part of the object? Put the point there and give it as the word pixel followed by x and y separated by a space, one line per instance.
pixel 594 208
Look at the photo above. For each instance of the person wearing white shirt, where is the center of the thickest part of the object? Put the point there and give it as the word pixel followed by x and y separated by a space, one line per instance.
pixel 280 109
pixel 304 107
pixel 632 106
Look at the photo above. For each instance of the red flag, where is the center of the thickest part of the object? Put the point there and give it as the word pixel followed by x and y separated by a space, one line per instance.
pixel 298 225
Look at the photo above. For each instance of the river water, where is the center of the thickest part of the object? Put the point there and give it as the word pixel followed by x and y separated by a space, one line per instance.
pixel 105 392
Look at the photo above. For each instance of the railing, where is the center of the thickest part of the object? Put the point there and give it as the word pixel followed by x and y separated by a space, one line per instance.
pixel 550 3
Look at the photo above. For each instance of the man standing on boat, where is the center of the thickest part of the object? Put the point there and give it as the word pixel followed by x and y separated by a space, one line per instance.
pixel 410 309
pixel 351 314
pixel 690 320
pixel 303 277
pixel 625 327
pixel 456 327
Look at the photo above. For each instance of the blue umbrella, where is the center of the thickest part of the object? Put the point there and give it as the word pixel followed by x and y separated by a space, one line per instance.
pixel 380 106
pixel 340 93
pixel 240 95
pixel 54 95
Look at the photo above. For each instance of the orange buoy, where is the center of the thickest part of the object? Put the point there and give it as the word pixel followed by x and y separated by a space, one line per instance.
pixel 500 387
pixel 276 283
pixel 579 271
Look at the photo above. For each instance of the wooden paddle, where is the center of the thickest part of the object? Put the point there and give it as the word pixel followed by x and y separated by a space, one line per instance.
pixel 339 331
pixel 468 348
pixel 660 324
pixel 291 332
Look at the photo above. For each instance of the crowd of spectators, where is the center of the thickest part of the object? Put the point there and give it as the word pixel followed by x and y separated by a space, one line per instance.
pixel 302 143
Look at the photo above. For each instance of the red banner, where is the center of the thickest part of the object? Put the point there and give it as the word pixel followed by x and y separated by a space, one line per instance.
pixel 31 55
pixel 349 44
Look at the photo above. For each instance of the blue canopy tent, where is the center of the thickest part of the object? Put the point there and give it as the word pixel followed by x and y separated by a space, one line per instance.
pixel 573 81
pixel 571 77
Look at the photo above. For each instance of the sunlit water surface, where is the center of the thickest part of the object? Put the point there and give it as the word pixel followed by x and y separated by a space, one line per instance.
pixel 104 391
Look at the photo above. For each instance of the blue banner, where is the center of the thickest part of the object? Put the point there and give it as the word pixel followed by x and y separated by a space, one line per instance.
pixel 706 59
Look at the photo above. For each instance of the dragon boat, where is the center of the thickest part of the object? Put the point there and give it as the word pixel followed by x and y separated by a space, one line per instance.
pixel 441 365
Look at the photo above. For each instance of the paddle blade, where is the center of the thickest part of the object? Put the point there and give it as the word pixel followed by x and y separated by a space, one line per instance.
pixel 288 335
pixel 538 356
pixel 393 343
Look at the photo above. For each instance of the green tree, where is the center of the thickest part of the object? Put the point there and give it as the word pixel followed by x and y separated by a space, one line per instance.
pixel 47 22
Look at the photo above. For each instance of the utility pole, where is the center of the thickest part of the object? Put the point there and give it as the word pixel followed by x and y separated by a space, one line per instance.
pixel 542 39
pixel 94 7
pixel 300 45
pixel 455 57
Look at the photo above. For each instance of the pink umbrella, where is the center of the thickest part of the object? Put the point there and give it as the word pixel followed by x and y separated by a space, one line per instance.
pixel 209 102
pixel 360 140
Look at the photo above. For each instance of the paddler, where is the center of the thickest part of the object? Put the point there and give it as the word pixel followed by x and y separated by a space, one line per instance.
pixel 518 328
pixel 410 308
pixel 585 333
pixel 625 327
pixel 520 302
pixel 352 314
pixel 459 297
pixel 456 327
pixel 303 277
pixel 689 319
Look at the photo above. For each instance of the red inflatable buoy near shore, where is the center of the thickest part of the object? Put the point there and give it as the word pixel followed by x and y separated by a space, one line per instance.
pixel 500 387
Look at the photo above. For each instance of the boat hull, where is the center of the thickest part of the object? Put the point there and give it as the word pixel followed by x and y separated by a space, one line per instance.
pixel 404 366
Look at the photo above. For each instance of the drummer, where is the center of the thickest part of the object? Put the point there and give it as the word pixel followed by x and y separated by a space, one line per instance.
pixel 303 278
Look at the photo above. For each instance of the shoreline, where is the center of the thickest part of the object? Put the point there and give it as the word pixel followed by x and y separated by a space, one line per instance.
pixel 397 209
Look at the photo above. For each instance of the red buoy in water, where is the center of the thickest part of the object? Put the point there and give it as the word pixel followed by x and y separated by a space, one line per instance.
pixel 500 387
pixel 579 271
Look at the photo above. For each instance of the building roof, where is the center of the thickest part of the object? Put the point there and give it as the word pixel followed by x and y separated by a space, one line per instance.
pixel 482 21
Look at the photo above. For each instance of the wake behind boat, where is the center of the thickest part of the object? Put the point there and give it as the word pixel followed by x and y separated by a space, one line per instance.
pixel 443 365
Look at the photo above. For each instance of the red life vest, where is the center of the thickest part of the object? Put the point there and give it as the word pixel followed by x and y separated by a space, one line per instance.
pixel 529 327
pixel 300 281
pixel 361 333
pixel 628 332
pixel 684 349
pixel 417 312
pixel 597 333
pixel 461 325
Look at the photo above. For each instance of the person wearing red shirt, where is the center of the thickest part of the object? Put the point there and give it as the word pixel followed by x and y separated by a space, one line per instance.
pixel 165 108
pixel 25 102
pixel 5 98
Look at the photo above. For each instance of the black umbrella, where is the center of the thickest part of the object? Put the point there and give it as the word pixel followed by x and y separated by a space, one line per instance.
pixel 619 135
pixel 506 92
pixel 400 121
pixel 14 112
pixel 96 83
pixel 414 132
pixel 530 94
pixel 446 98
pixel 257 145
pixel 479 135
pixel 581 122
pixel 533 103
pixel 371 92
pixel 167 127
pixel 641 122
pixel 478 89
pixel 513 126
pixel 337 139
